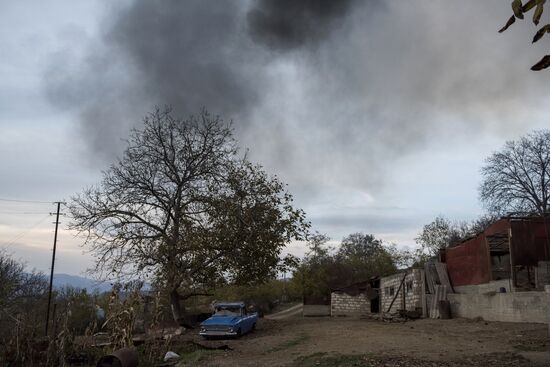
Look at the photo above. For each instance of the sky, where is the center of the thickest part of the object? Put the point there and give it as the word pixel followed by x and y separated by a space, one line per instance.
pixel 378 114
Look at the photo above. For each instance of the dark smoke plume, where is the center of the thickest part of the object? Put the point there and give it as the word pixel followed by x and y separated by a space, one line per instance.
pixel 188 54
pixel 291 24
pixel 327 91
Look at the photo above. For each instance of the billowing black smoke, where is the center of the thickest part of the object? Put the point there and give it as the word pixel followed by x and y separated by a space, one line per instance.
pixel 188 54
pixel 329 91
pixel 291 24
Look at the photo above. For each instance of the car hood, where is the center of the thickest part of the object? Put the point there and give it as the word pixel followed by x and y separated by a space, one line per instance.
pixel 221 320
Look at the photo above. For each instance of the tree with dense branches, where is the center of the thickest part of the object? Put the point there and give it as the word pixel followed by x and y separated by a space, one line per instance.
pixel 517 179
pixel 183 207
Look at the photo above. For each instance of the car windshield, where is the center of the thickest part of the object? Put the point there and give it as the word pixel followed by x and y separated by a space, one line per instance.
pixel 227 311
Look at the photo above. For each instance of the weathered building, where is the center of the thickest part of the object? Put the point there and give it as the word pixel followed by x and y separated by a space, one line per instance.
pixel 353 300
pixel 400 291
pixel 408 296
pixel 513 253
pixel 502 274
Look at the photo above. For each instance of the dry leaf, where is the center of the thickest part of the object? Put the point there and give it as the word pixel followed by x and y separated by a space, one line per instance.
pixel 508 23
pixel 516 7
pixel 538 12
pixel 529 5
pixel 542 64
pixel 541 32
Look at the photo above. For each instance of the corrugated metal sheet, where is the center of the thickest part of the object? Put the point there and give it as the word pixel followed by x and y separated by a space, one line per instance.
pixel 530 241
pixel 440 295
pixel 468 263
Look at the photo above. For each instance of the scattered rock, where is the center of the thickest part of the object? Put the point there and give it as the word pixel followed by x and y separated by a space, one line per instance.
pixel 170 356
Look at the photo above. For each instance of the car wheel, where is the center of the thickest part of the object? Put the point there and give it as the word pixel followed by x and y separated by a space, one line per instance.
pixel 239 333
pixel 253 326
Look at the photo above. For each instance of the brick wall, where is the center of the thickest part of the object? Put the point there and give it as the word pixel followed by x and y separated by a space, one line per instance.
pixel 410 293
pixel 343 304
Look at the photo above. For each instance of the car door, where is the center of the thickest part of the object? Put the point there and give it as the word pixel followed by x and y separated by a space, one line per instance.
pixel 246 320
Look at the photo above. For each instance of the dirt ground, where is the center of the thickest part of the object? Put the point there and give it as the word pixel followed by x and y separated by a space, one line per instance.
pixel 347 341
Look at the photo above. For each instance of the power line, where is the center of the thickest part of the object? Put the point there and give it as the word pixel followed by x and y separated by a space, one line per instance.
pixel 26 213
pixel 27 201
pixel 20 235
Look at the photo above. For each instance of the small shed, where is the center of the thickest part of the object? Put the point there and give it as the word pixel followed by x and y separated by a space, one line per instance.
pixel 351 300
pixel 356 299
pixel 402 291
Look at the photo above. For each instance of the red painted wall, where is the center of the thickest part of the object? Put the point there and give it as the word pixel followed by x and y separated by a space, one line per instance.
pixel 530 241
pixel 468 263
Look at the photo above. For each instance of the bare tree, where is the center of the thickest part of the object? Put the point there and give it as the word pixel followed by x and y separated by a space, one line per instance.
pixel 439 234
pixel 182 207
pixel 517 179
pixel 481 223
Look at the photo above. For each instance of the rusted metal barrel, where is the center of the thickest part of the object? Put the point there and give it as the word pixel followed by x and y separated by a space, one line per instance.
pixel 125 357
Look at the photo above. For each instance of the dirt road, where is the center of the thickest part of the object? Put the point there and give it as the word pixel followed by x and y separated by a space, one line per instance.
pixel 291 312
pixel 297 341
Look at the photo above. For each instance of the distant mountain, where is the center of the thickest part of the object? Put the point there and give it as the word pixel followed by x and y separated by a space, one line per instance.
pixel 75 281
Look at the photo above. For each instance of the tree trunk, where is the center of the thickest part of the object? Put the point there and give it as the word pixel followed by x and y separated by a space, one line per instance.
pixel 178 311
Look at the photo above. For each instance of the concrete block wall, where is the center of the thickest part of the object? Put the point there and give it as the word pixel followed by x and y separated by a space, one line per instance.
pixel 542 274
pixel 413 299
pixel 343 304
pixel 493 286
pixel 508 307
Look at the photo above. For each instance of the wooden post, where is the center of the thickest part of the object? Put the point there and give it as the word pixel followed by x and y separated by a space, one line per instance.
pixel 512 266
pixel 52 268
pixel 423 290
pixel 403 297
pixel 397 293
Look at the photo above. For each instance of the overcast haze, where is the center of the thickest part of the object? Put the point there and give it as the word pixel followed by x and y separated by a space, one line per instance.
pixel 378 114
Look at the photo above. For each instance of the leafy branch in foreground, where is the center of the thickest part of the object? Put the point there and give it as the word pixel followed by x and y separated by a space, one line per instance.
pixel 519 10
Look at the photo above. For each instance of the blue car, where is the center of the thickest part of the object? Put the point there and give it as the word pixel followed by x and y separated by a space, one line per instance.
pixel 229 319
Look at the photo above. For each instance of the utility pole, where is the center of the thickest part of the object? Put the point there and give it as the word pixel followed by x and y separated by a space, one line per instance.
pixel 53 264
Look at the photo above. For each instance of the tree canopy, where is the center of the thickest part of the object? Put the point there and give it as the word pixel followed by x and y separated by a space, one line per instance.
pixel 22 306
pixel 437 235
pixel 183 206
pixel 516 179
pixel 358 258
pixel 442 233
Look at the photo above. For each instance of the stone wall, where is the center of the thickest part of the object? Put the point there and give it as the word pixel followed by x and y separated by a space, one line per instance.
pixel 510 307
pixel 343 304
pixel 409 296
